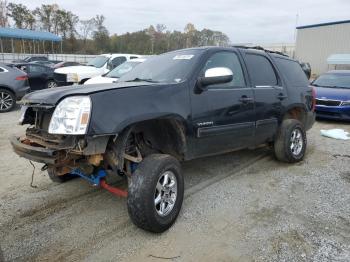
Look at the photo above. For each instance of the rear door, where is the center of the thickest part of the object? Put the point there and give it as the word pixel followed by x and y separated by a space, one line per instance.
pixel 223 116
pixel 268 93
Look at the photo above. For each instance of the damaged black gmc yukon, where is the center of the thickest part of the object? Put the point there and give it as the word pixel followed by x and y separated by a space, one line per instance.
pixel 174 107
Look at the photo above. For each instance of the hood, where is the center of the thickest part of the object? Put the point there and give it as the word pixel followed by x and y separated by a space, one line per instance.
pixel 331 93
pixel 78 70
pixel 52 95
pixel 101 80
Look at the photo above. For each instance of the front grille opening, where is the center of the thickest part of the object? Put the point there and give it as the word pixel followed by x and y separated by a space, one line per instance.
pixel 327 102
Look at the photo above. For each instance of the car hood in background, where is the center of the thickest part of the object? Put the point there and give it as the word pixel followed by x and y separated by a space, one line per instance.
pixel 101 80
pixel 52 95
pixel 342 94
pixel 78 70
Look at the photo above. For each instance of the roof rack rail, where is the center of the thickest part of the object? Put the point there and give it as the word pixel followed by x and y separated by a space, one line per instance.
pixel 260 48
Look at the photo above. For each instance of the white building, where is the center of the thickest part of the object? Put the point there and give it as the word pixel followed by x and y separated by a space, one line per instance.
pixel 316 43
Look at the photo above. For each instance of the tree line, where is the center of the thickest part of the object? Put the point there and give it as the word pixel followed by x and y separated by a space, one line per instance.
pixel 90 36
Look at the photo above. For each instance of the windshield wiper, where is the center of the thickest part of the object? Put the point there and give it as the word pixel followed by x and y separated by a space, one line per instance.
pixel 142 80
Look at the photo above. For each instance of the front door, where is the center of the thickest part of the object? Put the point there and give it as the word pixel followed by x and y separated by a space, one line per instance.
pixel 223 116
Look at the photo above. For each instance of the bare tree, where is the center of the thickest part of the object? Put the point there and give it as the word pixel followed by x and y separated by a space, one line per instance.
pixel 87 27
pixel 3 14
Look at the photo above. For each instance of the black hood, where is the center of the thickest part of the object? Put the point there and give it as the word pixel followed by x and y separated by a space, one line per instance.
pixel 53 95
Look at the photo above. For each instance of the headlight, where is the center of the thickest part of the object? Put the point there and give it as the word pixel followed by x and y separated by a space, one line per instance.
pixel 345 103
pixel 71 116
pixel 72 77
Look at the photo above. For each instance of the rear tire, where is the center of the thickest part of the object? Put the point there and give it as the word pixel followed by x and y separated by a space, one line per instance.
pixel 290 143
pixel 155 193
pixel 56 178
pixel 7 100
pixel 51 84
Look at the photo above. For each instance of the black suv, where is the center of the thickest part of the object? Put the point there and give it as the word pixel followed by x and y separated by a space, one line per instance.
pixel 174 107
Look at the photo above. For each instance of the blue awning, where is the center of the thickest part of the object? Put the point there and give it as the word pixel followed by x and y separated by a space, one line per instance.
pixel 28 34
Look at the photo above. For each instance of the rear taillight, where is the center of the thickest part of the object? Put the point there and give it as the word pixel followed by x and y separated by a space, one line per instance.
pixel 22 78
pixel 313 98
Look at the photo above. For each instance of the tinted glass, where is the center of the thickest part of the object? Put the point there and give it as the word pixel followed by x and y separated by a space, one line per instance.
pixel 261 71
pixel 228 60
pixel 118 61
pixel 1 70
pixel 293 71
pixel 122 69
pixel 173 67
pixel 36 69
pixel 333 80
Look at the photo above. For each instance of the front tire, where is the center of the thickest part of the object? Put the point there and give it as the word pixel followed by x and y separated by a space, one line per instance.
pixel 290 143
pixel 155 193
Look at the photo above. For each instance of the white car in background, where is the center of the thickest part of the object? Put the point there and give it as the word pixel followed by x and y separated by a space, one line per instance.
pixel 116 73
pixel 97 66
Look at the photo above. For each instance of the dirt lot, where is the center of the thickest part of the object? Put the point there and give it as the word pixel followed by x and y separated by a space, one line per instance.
pixel 238 207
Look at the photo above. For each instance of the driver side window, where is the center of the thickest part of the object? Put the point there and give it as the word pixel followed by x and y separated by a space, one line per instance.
pixel 229 60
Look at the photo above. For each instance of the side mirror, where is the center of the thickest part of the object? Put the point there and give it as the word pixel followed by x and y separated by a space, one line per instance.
pixel 213 76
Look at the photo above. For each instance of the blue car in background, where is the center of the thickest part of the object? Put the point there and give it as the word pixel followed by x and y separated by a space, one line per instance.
pixel 333 95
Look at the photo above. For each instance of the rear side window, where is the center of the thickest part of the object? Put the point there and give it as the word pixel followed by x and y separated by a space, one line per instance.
pixel 292 71
pixel 1 70
pixel 36 69
pixel 261 71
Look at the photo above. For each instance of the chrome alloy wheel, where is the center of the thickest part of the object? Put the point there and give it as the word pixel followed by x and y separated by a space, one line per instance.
pixel 6 101
pixel 296 142
pixel 52 84
pixel 165 193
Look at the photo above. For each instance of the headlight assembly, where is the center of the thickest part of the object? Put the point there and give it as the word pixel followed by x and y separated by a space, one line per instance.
pixel 71 116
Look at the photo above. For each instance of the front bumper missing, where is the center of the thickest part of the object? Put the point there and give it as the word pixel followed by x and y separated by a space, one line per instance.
pixel 35 153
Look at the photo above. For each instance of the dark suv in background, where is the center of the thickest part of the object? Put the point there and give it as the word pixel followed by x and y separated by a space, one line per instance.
pixel 13 86
pixel 173 107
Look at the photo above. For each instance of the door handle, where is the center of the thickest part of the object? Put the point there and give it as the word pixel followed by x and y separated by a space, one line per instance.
pixel 281 96
pixel 246 99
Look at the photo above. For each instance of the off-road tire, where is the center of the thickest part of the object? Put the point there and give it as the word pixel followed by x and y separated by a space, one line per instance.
pixel 282 144
pixel 141 193
pixel 56 178
pixel 11 96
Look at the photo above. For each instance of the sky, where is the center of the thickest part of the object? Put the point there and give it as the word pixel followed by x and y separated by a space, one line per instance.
pixel 250 21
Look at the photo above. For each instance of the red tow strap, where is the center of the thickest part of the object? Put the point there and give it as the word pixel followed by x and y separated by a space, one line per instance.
pixel 114 190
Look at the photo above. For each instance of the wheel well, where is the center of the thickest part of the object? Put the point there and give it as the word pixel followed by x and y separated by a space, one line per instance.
pixel 165 136
pixel 297 113
pixel 8 89
pixel 84 80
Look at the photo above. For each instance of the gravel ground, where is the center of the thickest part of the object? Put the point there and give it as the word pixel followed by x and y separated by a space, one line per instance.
pixel 243 206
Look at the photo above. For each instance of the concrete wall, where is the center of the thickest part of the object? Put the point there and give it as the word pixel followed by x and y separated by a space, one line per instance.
pixel 9 57
pixel 316 44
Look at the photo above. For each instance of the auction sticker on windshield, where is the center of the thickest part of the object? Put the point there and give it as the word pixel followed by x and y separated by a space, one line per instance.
pixel 183 57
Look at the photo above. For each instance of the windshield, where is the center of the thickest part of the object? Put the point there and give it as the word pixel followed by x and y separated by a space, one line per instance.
pixel 27 58
pixel 172 67
pixel 98 61
pixel 333 80
pixel 122 69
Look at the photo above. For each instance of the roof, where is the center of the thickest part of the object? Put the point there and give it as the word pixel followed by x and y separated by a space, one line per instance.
pixel 28 34
pixel 339 59
pixel 324 24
